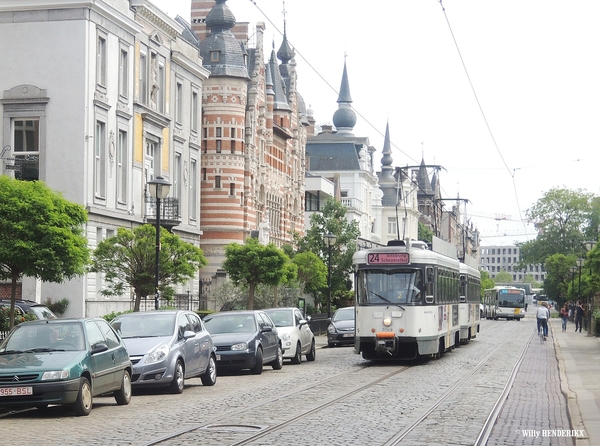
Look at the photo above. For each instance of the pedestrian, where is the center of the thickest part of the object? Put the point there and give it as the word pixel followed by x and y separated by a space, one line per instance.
pixel 564 315
pixel 542 314
pixel 579 312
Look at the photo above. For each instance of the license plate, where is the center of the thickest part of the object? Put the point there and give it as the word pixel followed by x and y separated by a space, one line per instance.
pixel 218 357
pixel 348 335
pixel 16 391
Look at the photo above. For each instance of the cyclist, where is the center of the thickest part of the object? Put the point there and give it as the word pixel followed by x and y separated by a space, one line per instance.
pixel 542 315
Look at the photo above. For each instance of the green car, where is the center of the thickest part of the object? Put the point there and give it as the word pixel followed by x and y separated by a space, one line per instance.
pixel 63 361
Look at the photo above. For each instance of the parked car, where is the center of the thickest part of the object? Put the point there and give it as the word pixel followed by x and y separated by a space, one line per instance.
pixel 296 336
pixel 341 328
pixel 166 347
pixel 245 340
pixel 40 311
pixel 63 361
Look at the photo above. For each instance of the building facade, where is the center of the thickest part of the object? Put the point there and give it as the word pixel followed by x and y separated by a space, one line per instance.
pixel 495 259
pixel 108 99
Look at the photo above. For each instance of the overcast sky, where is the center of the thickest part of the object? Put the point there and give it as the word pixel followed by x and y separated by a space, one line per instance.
pixel 503 95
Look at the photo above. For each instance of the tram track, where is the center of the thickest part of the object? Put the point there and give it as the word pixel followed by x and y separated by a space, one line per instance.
pixel 262 431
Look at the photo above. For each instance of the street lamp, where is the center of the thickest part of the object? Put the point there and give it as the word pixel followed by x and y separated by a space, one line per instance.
pixel 573 270
pixel 330 240
pixel 589 245
pixel 158 189
pixel 579 263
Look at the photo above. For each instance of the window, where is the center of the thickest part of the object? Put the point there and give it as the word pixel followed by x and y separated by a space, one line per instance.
pixel 233 146
pixel 232 189
pixel 204 174
pixel 218 146
pixel 101 60
pixel 215 56
pixel 178 102
pixel 218 133
pixel 193 189
pixel 122 154
pixel 26 143
pixel 100 160
pixel 124 73
pixel 143 94
pixel 217 181
pixel 392 225
pixel 195 106
pixel 177 176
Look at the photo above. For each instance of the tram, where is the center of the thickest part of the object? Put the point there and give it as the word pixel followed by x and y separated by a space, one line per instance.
pixel 407 300
pixel 504 302
pixel 470 298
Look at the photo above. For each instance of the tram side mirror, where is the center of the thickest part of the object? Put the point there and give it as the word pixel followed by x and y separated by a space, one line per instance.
pixel 430 275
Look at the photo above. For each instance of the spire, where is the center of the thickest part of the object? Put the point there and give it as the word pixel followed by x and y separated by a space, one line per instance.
pixel 387 183
pixel 423 179
pixel 280 101
pixel 286 52
pixel 344 117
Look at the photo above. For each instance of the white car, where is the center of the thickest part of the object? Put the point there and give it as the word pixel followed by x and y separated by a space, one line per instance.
pixel 296 336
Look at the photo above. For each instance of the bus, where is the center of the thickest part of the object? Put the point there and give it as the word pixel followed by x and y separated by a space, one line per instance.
pixel 504 302
pixel 406 300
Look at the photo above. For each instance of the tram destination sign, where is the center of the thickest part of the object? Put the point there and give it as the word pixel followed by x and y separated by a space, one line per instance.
pixel 388 258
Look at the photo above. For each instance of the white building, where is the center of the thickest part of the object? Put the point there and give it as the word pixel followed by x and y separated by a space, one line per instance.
pixel 99 97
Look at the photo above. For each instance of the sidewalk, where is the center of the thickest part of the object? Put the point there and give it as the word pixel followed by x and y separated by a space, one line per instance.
pixel 578 358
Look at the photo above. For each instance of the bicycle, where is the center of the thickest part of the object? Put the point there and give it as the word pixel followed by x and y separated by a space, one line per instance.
pixel 543 325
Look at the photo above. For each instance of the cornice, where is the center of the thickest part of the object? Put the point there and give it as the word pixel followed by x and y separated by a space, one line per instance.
pixel 157 18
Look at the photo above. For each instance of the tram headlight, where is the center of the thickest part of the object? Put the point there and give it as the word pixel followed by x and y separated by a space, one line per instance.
pixel 387 321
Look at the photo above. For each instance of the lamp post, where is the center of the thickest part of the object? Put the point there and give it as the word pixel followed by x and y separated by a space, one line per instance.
pixel 579 263
pixel 330 240
pixel 573 270
pixel 158 189
pixel 589 245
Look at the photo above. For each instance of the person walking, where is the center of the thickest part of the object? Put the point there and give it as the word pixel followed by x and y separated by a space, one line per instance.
pixel 542 315
pixel 579 316
pixel 564 315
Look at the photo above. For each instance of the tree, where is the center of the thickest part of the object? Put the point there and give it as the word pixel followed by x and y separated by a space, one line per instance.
pixel 563 219
pixel 503 277
pixel 41 235
pixel 128 260
pixel 425 233
pixel 312 272
pixel 558 276
pixel 252 263
pixel 486 282
pixel 332 219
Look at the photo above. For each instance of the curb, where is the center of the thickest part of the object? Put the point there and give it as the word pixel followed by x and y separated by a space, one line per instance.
pixel 573 411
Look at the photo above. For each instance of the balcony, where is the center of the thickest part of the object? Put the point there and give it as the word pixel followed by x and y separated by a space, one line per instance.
pixel 169 211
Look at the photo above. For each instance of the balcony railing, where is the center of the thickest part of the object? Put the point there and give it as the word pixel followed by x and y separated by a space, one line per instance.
pixel 169 211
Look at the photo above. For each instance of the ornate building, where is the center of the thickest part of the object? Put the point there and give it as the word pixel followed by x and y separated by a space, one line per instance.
pixel 254 129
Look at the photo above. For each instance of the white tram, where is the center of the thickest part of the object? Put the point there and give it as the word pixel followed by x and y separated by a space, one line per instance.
pixel 470 298
pixel 407 299
pixel 504 302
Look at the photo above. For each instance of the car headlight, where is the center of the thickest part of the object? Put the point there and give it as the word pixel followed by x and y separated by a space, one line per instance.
pixel 157 355
pixel 331 329
pixel 285 337
pixel 55 374
pixel 240 346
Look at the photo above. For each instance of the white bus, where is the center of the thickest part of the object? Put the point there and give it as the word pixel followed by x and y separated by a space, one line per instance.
pixel 506 302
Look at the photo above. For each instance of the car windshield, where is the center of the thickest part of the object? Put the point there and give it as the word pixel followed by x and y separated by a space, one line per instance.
pixel 45 337
pixel 345 314
pixel 145 325
pixel 42 312
pixel 282 318
pixel 230 323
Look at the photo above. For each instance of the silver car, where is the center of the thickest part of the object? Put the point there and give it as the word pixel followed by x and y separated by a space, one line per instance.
pixel 166 347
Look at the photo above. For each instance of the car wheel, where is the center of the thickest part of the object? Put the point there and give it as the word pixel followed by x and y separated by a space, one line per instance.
pixel 297 359
pixel 83 404
pixel 209 377
pixel 312 354
pixel 178 382
pixel 123 395
pixel 278 363
pixel 258 367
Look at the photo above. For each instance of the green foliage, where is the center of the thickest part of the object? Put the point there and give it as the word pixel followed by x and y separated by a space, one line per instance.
pixel 58 307
pixel 110 316
pixel 128 260
pixel 5 322
pixel 252 263
pixel 559 277
pixel 563 219
pixel 229 296
pixel 425 234
pixel 41 233
pixel 503 277
pixel 596 322
pixel 486 282
pixel 312 272
pixel 332 219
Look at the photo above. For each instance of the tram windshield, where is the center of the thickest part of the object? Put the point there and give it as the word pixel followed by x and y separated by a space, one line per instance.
pixel 511 298
pixel 389 286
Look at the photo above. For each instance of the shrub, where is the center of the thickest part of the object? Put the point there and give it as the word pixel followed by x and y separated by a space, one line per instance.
pixel 58 307
pixel 19 317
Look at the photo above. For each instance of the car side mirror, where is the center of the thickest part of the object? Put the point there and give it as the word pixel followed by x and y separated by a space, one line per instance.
pixel 99 348
pixel 266 329
pixel 188 334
